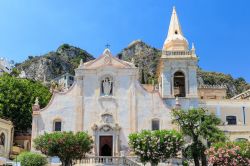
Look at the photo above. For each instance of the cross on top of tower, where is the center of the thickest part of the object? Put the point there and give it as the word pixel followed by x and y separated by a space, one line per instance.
pixel 107 45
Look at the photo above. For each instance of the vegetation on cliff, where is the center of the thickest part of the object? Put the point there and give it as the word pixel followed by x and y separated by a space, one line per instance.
pixel 234 86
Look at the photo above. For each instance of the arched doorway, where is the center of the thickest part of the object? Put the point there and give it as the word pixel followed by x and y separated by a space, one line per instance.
pixel 179 84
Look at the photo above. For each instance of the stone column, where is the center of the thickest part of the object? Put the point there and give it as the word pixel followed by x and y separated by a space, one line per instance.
pixel 35 121
pixel 117 140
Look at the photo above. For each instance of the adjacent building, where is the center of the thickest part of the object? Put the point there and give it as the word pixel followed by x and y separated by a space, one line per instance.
pixel 64 81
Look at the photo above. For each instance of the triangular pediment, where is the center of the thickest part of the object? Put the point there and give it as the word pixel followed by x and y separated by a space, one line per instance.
pixel 106 59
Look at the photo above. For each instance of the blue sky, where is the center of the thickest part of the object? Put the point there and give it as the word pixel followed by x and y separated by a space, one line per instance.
pixel 220 29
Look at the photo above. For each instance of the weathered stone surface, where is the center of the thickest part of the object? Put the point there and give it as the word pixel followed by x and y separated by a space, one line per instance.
pixel 53 64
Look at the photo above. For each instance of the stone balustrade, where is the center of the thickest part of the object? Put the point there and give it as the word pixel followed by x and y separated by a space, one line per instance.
pixel 107 160
pixel 213 86
pixel 121 161
pixel 170 53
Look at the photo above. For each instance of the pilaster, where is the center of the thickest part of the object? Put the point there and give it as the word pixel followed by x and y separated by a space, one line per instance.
pixel 80 104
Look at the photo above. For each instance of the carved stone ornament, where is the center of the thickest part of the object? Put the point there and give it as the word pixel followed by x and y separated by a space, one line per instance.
pixel 106 128
pixel 107 118
pixel 107 59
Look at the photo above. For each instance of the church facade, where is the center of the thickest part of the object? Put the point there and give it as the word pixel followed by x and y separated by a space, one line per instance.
pixel 109 103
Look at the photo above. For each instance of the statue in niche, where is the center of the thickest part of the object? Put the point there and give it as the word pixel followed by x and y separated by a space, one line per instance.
pixel 107 87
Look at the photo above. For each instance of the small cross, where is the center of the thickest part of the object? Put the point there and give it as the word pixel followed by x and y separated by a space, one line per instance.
pixel 107 45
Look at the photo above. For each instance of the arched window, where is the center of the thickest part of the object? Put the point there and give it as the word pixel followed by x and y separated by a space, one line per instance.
pixel 231 120
pixel 106 86
pixel 155 124
pixel 57 125
pixel 179 84
pixel 2 139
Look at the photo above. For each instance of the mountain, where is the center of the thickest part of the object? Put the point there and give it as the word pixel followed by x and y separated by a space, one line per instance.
pixel 46 67
pixel 66 58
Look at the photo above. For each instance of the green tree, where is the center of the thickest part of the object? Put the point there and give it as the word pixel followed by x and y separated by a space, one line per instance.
pixel 66 145
pixel 156 146
pixel 31 159
pixel 17 97
pixel 200 127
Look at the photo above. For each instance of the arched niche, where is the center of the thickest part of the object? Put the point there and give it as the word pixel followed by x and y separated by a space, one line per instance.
pixel 179 84
pixel 106 85
pixel 2 139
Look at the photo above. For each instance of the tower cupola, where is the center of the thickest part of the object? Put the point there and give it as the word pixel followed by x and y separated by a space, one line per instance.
pixel 175 40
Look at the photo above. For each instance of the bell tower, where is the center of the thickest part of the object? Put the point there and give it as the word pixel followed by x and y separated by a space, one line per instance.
pixel 178 64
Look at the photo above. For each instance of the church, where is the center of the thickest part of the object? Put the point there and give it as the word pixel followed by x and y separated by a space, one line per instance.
pixel 108 101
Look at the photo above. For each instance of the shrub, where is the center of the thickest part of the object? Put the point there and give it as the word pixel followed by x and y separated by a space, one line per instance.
pixel 31 159
pixel 66 145
pixel 156 146
pixel 229 153
pixel 65 46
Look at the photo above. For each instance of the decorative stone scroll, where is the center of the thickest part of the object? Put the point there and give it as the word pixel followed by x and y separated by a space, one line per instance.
pixel 106 128
pixel 107 60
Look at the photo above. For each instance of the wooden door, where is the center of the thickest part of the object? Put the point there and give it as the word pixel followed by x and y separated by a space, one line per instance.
pixel 106 146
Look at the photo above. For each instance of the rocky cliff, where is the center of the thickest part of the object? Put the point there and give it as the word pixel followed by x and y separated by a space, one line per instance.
pixel 66 58
pixel 144 57
pixel 46 67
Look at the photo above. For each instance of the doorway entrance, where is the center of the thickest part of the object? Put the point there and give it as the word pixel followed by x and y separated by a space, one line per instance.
pixel 106 146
